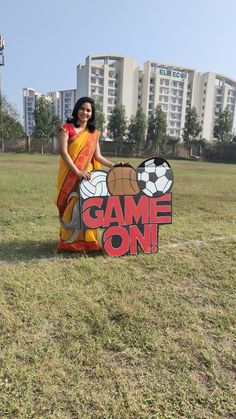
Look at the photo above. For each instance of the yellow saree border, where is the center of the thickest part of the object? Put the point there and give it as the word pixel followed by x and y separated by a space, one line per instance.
pixel 81 151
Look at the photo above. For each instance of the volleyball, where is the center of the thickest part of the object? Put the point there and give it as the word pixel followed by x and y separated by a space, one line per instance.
pixel 95 186
pixel 122 180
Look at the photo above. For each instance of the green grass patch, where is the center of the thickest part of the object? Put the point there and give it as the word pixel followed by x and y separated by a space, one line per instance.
pixel 147 336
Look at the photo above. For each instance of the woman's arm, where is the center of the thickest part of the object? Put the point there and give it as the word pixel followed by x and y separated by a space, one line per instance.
pixel 99 157
pixel 63 151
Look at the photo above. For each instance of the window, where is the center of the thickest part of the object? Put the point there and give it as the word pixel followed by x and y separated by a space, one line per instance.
pixel 111 92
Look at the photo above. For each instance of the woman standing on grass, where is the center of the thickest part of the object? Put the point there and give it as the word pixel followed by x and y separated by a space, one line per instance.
pixel 80 153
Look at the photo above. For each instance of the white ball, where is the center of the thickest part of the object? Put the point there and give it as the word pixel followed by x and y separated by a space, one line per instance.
pixel 95 186
pixel 160 171
pixel 155 177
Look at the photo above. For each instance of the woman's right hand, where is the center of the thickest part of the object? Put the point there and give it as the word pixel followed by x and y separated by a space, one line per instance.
pixel 84 174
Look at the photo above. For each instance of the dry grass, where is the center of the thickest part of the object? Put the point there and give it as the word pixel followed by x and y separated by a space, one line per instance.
pixel 148 336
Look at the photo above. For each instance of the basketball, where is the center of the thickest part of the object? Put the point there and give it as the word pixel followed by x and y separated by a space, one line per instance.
pixel 122 180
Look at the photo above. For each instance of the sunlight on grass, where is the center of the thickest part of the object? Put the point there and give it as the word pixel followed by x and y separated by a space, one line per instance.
pixel 148 336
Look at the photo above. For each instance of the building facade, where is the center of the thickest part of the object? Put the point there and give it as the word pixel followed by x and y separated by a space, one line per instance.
pixel 110 80
pixel 114 80
pixel 29 99
pixel 117 80
pixel 62 103
pixel 67 99
pixel 171 87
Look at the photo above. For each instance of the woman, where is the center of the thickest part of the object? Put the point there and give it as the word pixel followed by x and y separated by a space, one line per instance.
pixel 79 149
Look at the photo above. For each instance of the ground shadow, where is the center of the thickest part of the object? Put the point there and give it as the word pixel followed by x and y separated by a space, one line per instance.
pixel 29 250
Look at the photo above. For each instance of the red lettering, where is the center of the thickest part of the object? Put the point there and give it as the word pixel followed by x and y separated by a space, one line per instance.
pixel 164 219
pixel 156 209
pixel 166 197
pixel 154 235
pixel 113 206
pixel 137 238
pixel 136 212
pixel 89 221
pixel 116 241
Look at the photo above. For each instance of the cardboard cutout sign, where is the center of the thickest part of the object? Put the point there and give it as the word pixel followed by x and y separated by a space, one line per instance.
pixel 129 204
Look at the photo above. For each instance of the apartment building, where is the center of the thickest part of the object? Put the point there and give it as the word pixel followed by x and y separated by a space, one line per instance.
pixel 213 93
pixel 171 87
pixel 177 89
pixel 67 102
pixel 114 80
pixel 62 103
pixel 110 80
pixel 29 98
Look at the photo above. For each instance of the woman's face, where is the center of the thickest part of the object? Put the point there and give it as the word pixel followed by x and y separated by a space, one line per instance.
pixel 84 113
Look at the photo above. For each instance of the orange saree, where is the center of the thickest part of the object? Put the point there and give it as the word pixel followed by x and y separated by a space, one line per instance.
pixel 72 238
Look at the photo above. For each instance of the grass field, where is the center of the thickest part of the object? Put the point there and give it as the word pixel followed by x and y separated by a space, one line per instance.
pixel 147 336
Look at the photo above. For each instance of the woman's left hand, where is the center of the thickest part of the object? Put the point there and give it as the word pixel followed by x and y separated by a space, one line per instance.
pixel 84 174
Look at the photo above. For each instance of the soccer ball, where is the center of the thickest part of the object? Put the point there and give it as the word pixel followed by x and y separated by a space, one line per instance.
pixel 95 186
pixel 155 177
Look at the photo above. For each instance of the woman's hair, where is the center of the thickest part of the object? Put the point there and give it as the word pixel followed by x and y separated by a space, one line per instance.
pixel 91 123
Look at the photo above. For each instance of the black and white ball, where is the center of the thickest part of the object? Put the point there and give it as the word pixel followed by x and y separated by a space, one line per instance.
pixel 95 186
pixel 155 177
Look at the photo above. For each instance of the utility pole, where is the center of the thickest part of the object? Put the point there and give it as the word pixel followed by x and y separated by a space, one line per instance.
pixel 1 57
pixel 1 65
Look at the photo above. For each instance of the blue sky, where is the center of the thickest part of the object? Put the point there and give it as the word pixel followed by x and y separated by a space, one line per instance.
pixel 46 39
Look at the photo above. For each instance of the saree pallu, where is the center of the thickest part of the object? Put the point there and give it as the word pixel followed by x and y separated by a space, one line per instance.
pixel 81 149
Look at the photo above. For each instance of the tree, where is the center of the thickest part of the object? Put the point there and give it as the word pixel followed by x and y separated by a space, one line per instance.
pixel 100 117
pixel 137 129
pixel 117 126
pixel 156 134
pixel 223 127
pixel 56 123
pixel 172 142
pixel 43 118
pixel 10 126
pixel 192 129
